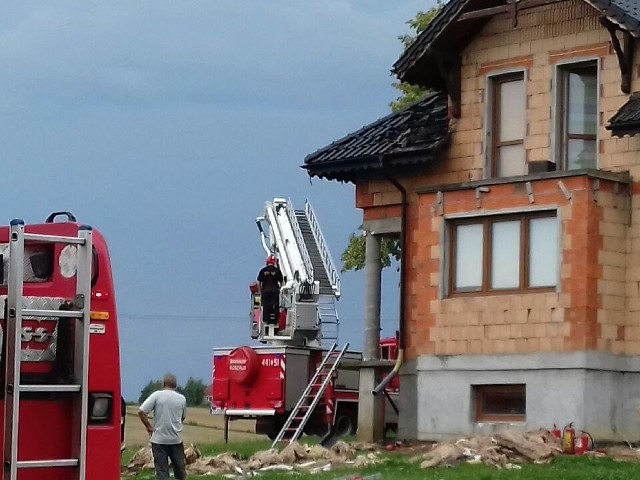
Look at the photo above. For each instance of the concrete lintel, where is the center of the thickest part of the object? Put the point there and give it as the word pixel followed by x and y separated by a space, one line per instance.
pixel 383 226
pixel 619 177
pixel 582 360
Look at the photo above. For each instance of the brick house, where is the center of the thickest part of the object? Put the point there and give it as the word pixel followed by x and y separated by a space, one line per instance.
pixel 515 184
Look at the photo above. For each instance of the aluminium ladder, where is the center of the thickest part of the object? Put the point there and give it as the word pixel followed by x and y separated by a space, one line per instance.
pixel 79 312
pixel 294 425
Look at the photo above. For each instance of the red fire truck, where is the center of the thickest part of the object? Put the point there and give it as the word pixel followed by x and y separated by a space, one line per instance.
pixel 61 404
pixel 281 383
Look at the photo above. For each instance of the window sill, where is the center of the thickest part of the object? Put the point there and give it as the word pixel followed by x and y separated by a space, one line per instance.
pixel 497 293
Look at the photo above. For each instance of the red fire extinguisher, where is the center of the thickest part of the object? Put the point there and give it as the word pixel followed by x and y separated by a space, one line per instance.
pixel 583 443
pixel 556 432
pixel 569 439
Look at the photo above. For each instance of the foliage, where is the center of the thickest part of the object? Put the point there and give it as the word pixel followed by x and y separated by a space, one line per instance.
pixel 193 391
pixel 419 24
pixel 353 258
pixel 148 389
pixel 412 93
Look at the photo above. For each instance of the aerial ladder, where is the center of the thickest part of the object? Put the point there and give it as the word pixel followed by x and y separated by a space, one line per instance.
pixel 76 311
pixel 312 284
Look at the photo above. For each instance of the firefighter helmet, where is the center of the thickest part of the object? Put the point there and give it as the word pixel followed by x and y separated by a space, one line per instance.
pixel 272 260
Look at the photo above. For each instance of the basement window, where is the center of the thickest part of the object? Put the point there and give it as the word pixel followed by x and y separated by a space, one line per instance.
pixel 500 403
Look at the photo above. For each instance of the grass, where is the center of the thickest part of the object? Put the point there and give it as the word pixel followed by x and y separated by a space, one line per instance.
pixel 398 466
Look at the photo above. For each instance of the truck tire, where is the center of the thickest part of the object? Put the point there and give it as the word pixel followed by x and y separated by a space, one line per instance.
pixel 346 422
pixel 270 426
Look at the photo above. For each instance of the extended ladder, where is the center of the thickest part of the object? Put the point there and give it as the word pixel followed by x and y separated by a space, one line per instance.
pixel 294 425
pixel 78 311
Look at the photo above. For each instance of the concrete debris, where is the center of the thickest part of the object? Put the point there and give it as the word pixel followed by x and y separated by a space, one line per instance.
pixel 508 450
pixel 502 450
pixel 294 456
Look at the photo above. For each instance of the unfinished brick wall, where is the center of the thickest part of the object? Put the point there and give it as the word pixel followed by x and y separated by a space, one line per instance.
pixel 600 272
pixel 630 332
pixel 586 314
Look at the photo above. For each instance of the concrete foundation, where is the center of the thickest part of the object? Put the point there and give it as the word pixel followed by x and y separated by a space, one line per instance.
pixel 598 392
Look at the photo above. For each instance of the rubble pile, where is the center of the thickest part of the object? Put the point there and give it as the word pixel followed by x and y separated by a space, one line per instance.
pixel 502 450
pixel 508 450
pixel 295 456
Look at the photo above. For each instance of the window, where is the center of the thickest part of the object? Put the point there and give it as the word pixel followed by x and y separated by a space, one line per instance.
pixel 507 125
pixel 577 107
pixel 504 253
pixel 500 402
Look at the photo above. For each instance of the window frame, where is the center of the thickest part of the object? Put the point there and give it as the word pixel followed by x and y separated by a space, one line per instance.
pixel 560 110
pixel 492 118
pixel 479 392
pixel 487 220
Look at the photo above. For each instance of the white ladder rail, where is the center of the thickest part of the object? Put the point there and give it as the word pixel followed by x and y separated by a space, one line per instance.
pixel 15 314
pixel 297 431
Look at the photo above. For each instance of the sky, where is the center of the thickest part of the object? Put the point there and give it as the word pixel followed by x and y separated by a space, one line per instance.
pixel 167 125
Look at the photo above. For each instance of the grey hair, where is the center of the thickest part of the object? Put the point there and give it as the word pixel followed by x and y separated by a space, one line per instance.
pixel 169 380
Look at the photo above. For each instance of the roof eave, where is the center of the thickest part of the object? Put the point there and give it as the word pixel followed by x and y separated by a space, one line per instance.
pixel 353 169
pixel 620 130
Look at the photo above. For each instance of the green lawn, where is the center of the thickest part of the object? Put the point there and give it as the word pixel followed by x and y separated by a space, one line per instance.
pixel 397 466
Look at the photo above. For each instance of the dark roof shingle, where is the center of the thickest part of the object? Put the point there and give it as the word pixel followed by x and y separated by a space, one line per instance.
pixel 626 121
pixel 409 136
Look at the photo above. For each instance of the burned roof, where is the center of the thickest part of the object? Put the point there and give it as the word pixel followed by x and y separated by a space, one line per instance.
pixel 445 35
pixel 626 121
pixel 408 137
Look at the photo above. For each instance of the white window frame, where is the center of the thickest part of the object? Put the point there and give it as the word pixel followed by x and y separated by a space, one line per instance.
pixel 490 79
pixel 557 115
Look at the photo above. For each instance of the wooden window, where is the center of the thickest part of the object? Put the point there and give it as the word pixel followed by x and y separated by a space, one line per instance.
pixel 495 403
pixel 503 253
pixel 508 125
pixel 577 106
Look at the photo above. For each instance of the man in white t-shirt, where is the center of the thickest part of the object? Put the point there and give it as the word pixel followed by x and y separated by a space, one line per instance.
pixel 169 411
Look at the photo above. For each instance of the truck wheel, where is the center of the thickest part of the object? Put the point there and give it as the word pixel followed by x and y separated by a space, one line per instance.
pixel 269 426
pixel 345 424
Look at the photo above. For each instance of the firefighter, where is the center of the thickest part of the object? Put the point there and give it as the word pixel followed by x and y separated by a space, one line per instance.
pixel 270 278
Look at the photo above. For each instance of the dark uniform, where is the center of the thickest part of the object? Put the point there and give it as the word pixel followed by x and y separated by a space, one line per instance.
pixel 270 278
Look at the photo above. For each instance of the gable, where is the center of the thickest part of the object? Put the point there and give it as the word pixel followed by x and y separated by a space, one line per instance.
pixel 425 61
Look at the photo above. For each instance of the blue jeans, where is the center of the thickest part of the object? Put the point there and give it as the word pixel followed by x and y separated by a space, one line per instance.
pixel 161 455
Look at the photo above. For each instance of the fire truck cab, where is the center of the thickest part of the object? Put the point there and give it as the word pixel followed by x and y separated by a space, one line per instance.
pixel 60 366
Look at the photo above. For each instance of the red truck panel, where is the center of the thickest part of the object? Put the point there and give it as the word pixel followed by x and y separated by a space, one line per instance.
pixel 244 382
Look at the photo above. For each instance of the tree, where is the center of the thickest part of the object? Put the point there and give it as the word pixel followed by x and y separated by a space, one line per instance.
pixel 148 389
pixel 194 392
pixel 413 93
pixel 353 256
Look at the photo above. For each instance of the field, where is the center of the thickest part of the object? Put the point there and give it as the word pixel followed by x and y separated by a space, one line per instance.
pixel 201 428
